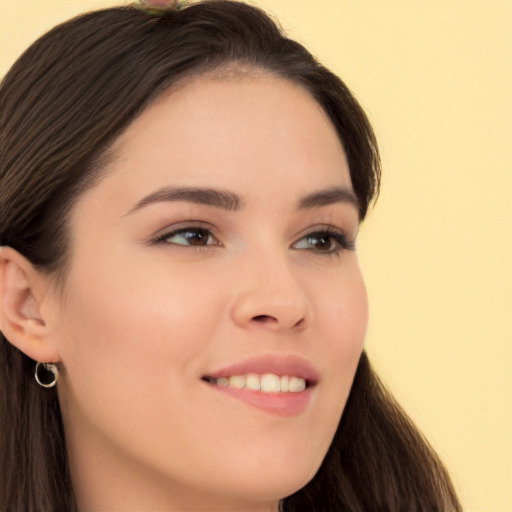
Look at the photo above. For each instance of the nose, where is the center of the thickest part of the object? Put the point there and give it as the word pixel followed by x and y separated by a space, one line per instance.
pixel 269 295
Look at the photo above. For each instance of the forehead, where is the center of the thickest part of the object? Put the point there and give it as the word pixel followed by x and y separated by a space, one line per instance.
pixel 233 132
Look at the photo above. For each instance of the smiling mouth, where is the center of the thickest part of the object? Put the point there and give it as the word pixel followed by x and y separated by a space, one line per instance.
pixel 265 383
pixel 279 395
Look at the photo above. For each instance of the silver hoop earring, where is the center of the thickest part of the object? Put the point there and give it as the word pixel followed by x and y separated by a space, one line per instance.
pixel 46 374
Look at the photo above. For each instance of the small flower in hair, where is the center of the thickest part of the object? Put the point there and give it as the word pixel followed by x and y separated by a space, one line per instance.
pixel 159 6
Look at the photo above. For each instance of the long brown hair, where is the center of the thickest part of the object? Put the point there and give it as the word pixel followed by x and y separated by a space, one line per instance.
pixel 62 104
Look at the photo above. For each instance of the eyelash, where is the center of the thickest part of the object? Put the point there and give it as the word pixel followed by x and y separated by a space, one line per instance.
pixel 341 241
pixel 338 237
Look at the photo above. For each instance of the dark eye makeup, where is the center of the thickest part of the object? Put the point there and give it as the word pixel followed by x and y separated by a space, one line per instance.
pixel 324 241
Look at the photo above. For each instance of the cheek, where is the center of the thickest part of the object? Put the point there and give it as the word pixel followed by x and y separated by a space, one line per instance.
pixel 344 325
pixel 129 332
pixel 341 320
pixel 343 315
pixel 134 343
pixel 351 310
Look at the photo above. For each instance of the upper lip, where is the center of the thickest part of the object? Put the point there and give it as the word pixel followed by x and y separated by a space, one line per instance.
pixel 278 364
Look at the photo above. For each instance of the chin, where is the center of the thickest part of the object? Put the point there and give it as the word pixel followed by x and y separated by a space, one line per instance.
pixel 272 484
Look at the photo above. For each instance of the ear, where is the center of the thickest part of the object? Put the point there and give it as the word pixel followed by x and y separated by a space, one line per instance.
pixel 23 293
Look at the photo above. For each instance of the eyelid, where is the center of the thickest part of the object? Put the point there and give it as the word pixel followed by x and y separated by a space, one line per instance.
pixel 182 227
pixel 344 241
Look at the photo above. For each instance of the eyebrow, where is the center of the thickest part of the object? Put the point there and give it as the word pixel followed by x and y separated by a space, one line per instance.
pixel 226 200
pixel 328 196
pixel 222 199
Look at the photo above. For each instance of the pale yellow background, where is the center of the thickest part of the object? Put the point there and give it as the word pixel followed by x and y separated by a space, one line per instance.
pixel 436 78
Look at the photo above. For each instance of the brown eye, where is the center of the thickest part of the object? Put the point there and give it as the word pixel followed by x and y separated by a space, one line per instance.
pixel 196 237
pixel 322 243
pixel 326 242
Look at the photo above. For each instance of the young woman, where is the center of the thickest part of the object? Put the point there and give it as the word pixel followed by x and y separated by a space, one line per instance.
pixel 182 309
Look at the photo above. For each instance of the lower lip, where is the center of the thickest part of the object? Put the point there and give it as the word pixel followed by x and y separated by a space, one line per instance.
pixel 280 404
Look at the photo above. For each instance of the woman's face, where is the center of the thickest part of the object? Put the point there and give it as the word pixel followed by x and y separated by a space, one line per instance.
pixel 222 235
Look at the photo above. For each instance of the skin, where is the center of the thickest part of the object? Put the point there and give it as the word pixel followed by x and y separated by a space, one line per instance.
pixel 138 324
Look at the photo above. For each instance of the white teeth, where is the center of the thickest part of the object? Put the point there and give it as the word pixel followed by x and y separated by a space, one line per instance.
pixel 270 383
pixel 237 381
pixel 252 381
pixel 267 383
pixel 296 384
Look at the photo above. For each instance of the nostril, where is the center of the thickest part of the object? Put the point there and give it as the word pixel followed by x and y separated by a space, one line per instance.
pixel 264 319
